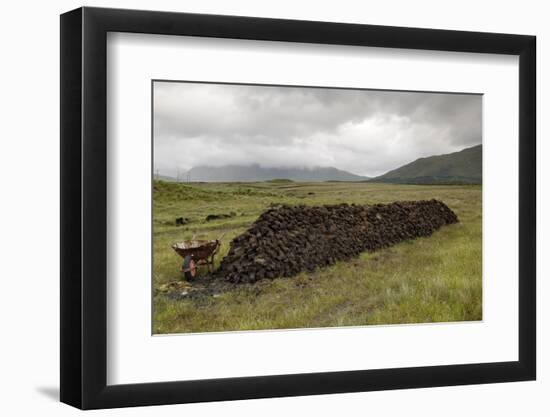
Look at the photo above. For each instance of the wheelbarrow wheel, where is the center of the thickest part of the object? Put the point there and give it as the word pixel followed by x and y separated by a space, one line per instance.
pixel 189 268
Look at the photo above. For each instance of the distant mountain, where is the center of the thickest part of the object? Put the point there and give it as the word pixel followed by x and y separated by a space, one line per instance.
pixel 249 173
pixel 463 167
pixel 165 178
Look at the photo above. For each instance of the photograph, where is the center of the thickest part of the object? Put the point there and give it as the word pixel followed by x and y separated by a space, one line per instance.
pixel 278 207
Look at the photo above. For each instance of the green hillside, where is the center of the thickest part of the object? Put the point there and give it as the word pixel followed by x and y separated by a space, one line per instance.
pixel 463 167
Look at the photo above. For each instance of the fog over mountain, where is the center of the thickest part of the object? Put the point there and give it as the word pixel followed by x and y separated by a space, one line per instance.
pixel 364 132
pixel 231 173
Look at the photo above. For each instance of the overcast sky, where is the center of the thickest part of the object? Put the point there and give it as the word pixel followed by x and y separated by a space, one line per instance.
pixel 361 131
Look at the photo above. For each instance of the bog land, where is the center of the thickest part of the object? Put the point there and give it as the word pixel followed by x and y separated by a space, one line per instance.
pixel 437 278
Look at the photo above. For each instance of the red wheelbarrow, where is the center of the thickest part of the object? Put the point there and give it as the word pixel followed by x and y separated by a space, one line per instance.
pixel 196 253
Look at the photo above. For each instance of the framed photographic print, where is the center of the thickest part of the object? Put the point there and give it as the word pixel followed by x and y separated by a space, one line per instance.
pixel 259 207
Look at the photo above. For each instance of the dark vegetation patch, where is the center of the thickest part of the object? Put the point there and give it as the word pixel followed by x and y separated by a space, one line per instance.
pixel 280 181
pixel 253 192
pixel 211 217
pixel 180 221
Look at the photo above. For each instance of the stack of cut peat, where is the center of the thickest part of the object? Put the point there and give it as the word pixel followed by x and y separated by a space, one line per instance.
pixel 287 240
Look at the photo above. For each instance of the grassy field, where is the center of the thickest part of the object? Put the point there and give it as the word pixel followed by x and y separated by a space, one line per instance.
pixel 433 279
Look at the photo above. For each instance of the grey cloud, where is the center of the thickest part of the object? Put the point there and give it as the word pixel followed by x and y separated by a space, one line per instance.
pixel 364 131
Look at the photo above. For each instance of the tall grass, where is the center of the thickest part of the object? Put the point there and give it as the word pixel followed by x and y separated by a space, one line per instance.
pixel 432 279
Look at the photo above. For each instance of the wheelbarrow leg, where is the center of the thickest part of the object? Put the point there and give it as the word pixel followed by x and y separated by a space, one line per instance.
pixel 211 263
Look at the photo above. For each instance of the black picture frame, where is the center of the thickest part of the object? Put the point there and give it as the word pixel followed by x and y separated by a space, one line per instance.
pixel 84 207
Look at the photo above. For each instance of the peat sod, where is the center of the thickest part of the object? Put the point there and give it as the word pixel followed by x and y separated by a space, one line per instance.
pixel 287 240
